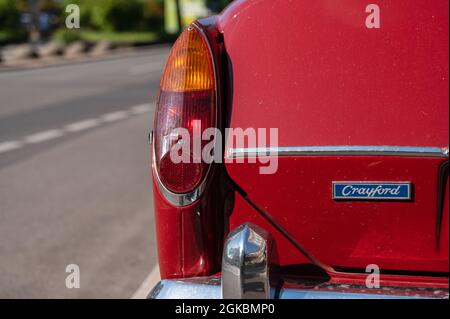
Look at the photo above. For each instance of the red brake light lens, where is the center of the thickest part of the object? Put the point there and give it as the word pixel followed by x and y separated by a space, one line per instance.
pixel 187 94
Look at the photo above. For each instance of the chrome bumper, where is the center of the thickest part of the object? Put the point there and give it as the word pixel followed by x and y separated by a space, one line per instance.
pixel 248 268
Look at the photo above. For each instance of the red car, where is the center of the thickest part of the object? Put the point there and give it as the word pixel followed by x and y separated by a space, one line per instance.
pixel 300 150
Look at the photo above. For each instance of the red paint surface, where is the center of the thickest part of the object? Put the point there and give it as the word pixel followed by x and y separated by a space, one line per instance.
pixel 353 234
pixel 190 238
pixel 288 254
pixel 168 236
pixel 313 70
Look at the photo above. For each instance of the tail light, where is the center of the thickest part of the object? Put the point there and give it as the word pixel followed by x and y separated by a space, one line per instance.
pixel 187 99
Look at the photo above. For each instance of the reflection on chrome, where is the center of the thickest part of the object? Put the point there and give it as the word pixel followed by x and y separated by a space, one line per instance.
pixel 246 263
pixel 338 150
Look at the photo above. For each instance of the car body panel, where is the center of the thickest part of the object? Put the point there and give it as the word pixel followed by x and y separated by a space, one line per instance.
pixel 353 234
pixel 313 70
pixel 324 79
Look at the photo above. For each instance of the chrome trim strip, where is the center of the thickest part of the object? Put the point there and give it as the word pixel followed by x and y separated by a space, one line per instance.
pixel 413 151
pixel 209 288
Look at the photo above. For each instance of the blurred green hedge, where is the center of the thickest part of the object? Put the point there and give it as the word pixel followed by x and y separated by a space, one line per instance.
pixel 9 15
pixel 103 16
pixel 11 31
pixel 120 15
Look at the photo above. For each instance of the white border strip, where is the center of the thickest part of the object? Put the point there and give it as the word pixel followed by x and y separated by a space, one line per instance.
pixel 80 126
pixel 9 146
pixel 147 285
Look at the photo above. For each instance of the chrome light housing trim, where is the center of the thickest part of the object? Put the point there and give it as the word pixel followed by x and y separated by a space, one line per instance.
pixel 186 199
pixel 175 199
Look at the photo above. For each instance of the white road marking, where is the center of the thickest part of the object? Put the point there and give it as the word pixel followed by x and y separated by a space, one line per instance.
pixel 82 125
pixel 147 285
pixel 76 127
pixel 9 146
pixel 42 136
pixel 140 109
pixel 114 116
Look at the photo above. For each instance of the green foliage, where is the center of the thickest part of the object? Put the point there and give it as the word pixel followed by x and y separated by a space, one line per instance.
pixel 223 4
pixel 126 15
pixel 217 5
pixel 8 37
pixel 67 35
pixel 154 15
pixel 120 15
pixel 131 37
pixel 86 8
pixel 9 15
pixel 47 5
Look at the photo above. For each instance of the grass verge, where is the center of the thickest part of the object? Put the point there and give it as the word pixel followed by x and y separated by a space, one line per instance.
pixel 7 37
pixel 69 36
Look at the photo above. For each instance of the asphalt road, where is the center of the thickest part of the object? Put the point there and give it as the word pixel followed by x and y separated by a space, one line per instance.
pixel 75 177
